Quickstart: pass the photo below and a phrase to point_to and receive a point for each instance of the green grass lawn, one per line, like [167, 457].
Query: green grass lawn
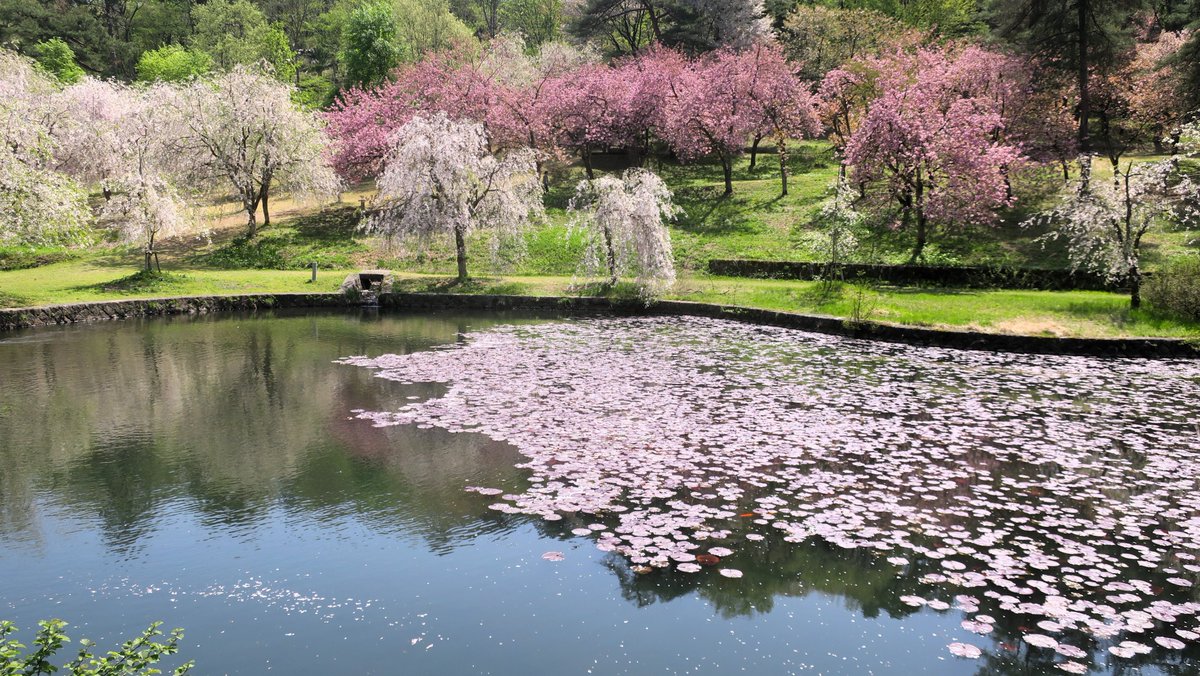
[1076, 313]
[753, 223]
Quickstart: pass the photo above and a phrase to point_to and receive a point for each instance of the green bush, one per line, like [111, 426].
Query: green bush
[22, 257]
[172, 63]
[56, 58]
[1176, 290]
[135, 657]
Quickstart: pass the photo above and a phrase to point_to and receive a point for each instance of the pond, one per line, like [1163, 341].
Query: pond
[498, 494]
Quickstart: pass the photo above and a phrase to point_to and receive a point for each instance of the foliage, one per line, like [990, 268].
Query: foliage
[172, 63]
[235, 32]
[538, 21]
[426, 26]
[818, 39]
[628, 27]
[56, 58]
[440, 179]
[21, 257]
[38, 205]
[240, 130]
[136, 656]
[1176, 289]
[370, 50]
[624, 225]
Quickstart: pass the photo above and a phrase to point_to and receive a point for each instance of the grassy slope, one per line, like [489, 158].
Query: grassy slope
[754, 223]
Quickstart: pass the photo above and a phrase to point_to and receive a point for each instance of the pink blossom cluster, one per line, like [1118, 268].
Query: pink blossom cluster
[934, 132]
[706, 106]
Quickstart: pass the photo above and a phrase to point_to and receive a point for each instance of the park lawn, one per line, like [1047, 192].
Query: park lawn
[115, 278]
[1076, 313]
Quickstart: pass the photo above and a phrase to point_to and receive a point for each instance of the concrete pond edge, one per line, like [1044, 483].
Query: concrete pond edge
[18, 318]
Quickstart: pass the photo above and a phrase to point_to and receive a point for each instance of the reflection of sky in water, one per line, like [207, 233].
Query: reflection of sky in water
[293, 537]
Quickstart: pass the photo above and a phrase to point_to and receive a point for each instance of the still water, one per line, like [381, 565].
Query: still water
[225, 475]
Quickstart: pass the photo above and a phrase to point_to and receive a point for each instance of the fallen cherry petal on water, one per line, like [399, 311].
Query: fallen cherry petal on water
[965, 650]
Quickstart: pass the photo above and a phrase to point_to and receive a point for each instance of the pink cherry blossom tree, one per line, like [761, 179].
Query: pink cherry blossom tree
[843, 98]
[623, 221]
[711, 112]
[454, 82]
[931, 144]
[440, 179]
[784, 106]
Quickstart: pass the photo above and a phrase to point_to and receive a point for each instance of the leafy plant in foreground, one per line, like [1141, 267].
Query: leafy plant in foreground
[135, 657]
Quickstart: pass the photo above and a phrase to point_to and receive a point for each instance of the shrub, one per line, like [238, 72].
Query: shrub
[135, 657]
[1176, 290]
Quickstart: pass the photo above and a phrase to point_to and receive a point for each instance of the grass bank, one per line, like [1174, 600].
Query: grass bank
[1076, 313]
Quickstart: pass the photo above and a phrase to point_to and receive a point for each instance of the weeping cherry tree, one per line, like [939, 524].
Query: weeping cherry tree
[439, 178]
[38, 204]
[623, 221]
[121, 139]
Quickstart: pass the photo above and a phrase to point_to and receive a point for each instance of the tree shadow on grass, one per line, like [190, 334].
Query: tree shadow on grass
[142, 281]
[327, 238]
[708, 211]
[8, 300]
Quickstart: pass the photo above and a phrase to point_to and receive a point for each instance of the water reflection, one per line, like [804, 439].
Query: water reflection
[236, 416]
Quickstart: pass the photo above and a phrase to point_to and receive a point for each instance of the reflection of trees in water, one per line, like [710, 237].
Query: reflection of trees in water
[233, 415]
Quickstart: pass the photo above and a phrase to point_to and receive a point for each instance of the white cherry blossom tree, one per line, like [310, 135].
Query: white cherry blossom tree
[440, 179]
[242, 131]
[623, 221]
[37, 204]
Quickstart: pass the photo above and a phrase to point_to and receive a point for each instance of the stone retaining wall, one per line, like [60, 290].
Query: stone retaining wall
[121, 309]
[574, 306]
[968, 277]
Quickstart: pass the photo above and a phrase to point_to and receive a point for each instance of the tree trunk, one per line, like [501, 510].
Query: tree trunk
[612, 257]
[252, 220]
[918, 206]
[266, 210]
[727, 168]
[922, 236]
[1085, 101]
[587, 163]
[783, 169]
[148, 255]
[754, 151]
[460, 244]
[1135, 287]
